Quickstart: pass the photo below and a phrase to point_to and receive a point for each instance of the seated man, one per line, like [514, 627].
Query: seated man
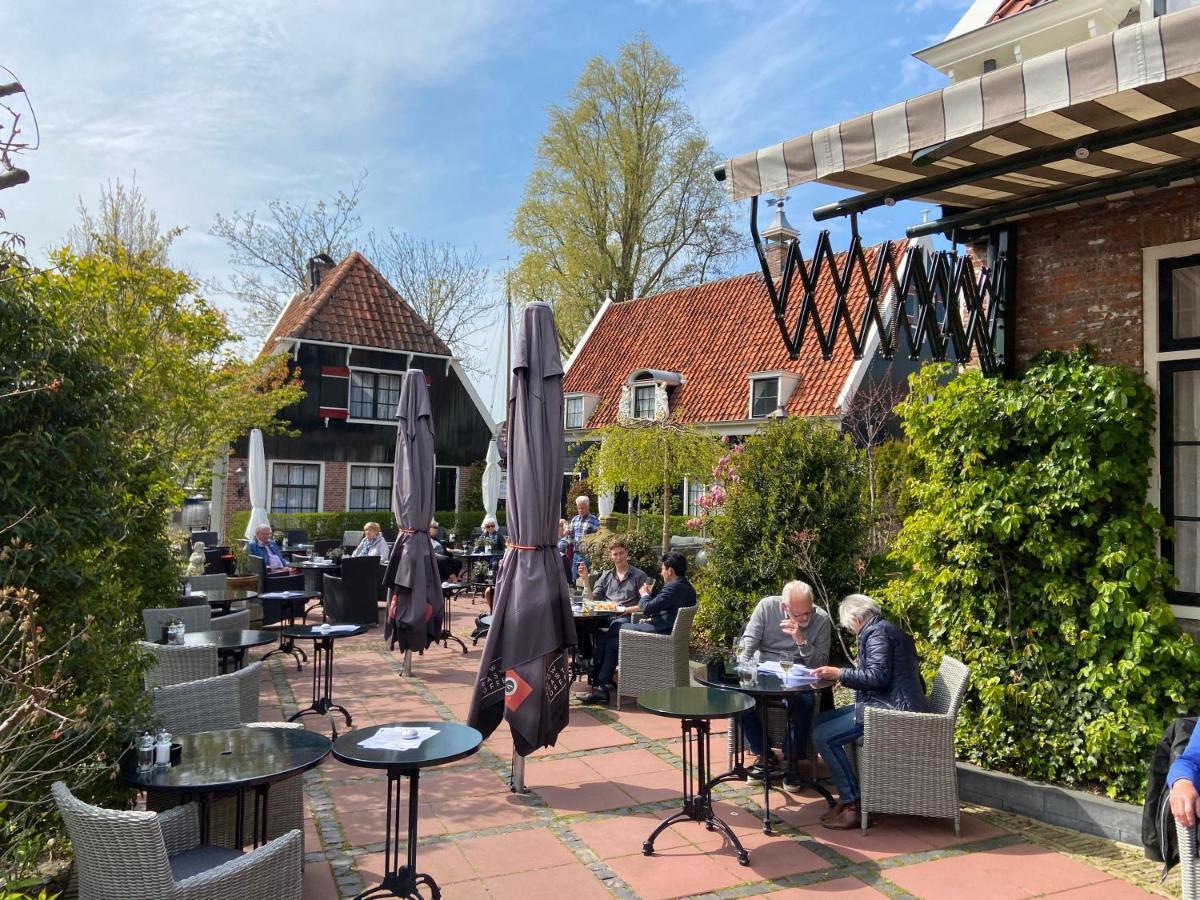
[622, 583]
[659, 617]
[1182, 778]
[265, 548]
[886, 674]
[785, 627]
[449, 567]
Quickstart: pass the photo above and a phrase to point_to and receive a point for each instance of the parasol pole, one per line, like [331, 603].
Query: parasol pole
[407, 663]
[508, 337]
[517, 783]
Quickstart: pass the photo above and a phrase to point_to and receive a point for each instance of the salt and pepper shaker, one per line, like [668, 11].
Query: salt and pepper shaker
[162, 749]
[145, 752]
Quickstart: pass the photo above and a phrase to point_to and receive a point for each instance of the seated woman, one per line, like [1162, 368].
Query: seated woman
[373, 543]
[491, 541]
[887, 674]
[449, 568]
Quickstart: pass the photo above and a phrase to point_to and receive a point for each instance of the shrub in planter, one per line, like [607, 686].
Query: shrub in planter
[793, 509]
[1032, 555]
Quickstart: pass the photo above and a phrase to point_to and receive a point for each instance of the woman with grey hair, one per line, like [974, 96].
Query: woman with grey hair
[887, 675]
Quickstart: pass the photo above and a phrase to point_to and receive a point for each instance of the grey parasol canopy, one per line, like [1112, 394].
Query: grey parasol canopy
[415, 603]
[523, 676]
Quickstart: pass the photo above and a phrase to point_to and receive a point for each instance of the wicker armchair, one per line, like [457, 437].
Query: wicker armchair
[238, 620]
[648, 661]
[208, 582]
[1185, 839]
[194, 618]
[125, 855]
[174, 665]
[227, 701]
[906, 764]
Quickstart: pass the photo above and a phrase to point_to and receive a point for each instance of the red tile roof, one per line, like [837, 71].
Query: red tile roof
[356, 305]
[1011, 8]
[714, 335]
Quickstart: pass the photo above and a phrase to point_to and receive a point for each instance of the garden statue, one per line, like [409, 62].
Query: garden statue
[196, 560]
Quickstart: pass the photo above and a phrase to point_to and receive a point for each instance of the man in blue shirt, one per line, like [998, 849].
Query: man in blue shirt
[1182, 778]
[264, 547]
[658, 614]
[582, 523]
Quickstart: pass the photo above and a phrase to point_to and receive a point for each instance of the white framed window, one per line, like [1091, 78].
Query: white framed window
[573, 412]
[764, 396]
[694, 491]
[370, 488]
[1171, 346]
[295, 486]
[643, 401]
[374, 395]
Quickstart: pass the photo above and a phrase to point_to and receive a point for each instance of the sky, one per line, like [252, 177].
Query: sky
[220, 106]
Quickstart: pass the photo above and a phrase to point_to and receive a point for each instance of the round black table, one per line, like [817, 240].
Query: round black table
[450, 591]
[491, 559]
[322, 669]
[767, 690]
[287, 602]
[587, 624]
[232, 760]
[452, 741]
[696, 707]
[219, 600]
[315, 572]
[231, 645]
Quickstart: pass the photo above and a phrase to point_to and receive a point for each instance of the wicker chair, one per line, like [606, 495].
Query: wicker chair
[121, 855]
[174, 665]
[648, 661]
[194, 618]
[208, 582]
[227, 701]
[906, 764]
[238, 620]
[1185, 839]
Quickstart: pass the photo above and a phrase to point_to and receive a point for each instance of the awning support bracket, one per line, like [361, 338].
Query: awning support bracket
[924, 300]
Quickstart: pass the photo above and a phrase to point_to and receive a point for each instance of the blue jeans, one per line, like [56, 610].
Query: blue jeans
[799, 717]
[833, 730]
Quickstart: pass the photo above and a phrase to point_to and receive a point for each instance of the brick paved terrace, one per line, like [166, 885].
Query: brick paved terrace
[596, 795]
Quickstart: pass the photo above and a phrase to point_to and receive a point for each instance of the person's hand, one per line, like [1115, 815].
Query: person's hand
[1184, 802]
[644, 590]
[827, 673]
[792, 628]
[581, 570]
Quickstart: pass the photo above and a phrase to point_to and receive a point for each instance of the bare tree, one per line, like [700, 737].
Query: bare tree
[449, 288]
[271, 253]
[12, 142]
[866, 417]
[123, 220]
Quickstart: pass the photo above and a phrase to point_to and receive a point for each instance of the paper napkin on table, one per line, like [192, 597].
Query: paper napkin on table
[392, 738]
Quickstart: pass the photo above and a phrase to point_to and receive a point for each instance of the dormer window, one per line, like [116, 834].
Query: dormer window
[764, 396]
[574, 412]
[643, 401]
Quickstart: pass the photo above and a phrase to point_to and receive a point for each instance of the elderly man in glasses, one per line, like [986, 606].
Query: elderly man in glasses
[787, 626]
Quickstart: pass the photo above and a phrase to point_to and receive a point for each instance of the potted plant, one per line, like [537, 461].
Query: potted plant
[718, 664]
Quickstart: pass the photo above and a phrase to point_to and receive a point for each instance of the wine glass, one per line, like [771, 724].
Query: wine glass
[786, 664]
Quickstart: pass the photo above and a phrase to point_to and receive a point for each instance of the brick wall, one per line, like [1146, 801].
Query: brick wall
[234, 503]
[335, 487]
[1079, 273]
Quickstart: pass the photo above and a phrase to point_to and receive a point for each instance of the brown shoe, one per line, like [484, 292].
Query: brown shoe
[834, 812]
[848, 818]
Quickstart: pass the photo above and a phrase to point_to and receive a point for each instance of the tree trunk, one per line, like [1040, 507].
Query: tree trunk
[666, 504]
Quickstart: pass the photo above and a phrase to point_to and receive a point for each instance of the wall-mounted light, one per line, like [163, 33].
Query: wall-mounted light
[239, 478]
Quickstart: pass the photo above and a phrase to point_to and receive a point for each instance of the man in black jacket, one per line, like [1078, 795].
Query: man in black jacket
[658, 616]
[887, 675]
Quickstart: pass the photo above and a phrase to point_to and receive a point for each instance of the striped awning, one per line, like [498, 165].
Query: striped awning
[1133, 75]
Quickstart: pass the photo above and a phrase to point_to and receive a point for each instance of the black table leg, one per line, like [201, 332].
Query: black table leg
[448, 634]
[322, 686]
[793, 779]
[697, 790]
[402, 880]
[286, 644]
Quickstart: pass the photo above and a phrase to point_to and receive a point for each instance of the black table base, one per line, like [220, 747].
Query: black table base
[794, 780]
[448, 634]
[322, 685]
[401, 879]
[286, 644]
[697, 790]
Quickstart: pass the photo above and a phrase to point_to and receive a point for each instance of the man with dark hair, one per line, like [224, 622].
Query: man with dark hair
[658, 616]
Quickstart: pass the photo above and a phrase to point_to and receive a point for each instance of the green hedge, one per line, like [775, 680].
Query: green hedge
[330, 525]
[1032, 555]
[650, 523]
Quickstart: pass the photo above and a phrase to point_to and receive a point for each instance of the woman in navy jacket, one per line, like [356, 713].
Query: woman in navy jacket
[887, 675]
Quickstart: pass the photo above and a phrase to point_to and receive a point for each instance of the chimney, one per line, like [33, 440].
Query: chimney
[778, 237]
[317, 267]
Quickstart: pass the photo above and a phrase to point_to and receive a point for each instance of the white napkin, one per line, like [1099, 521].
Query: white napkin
[800, 674]
[333, 629]
[392, 738]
